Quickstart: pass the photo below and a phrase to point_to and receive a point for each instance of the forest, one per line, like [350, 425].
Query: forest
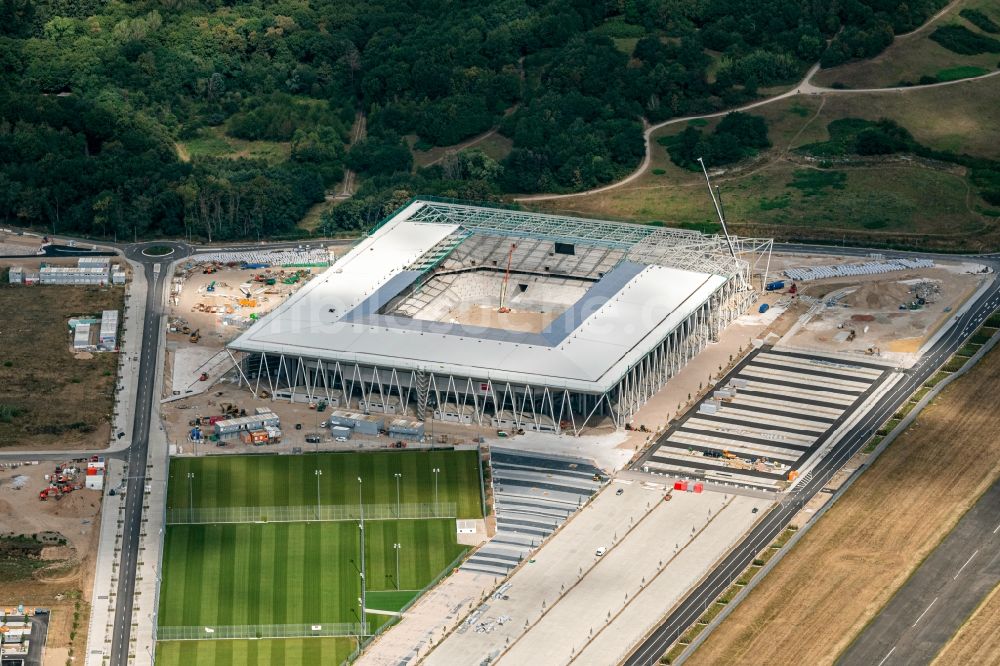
[99, 97]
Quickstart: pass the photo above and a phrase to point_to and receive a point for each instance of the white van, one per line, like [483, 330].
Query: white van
[600, 551]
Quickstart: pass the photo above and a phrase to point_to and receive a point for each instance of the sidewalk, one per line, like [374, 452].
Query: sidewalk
[102, 611]
[102, 596]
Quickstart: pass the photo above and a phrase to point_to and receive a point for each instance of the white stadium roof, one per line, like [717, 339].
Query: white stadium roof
[321, 320]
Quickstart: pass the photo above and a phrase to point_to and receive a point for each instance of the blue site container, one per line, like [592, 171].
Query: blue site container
[772, 286]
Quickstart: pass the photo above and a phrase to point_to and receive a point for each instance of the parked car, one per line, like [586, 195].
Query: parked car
[341, 439]
[600, 551]
[313, 439]
[619, 491]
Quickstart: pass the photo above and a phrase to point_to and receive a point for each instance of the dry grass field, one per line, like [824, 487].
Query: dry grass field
[848, 566]
[915, 55]
[897, 200]
[51, 399]
[978, 641]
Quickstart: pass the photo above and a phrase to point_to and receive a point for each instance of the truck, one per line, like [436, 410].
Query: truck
[763, 308]
[774, 286]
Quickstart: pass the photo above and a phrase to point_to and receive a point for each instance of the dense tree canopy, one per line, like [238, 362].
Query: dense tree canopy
[99, 99]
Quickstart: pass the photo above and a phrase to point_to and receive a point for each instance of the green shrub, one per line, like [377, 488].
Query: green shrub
[980, 20]
[811, 182]
[963, 41]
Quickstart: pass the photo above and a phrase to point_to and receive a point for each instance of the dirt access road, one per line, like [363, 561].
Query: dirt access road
[848, 566]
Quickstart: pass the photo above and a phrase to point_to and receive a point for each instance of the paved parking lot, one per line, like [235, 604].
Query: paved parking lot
[772, 414]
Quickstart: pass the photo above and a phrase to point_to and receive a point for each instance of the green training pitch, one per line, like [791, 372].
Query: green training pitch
[236, 481]
[261, 653]
[295, 573]
[303, 572]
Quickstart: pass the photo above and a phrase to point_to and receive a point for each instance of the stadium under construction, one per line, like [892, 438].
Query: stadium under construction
[502, 318]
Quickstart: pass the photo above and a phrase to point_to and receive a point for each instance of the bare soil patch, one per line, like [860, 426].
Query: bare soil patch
[63, 580]
[55, 400]
[848, 566]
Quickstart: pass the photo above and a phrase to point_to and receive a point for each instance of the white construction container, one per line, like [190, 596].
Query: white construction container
[81, 337]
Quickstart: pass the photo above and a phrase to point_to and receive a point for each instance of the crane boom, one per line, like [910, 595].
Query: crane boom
[506, 279]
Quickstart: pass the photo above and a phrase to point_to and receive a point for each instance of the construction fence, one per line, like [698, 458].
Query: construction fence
[294, 514]
[254, 631]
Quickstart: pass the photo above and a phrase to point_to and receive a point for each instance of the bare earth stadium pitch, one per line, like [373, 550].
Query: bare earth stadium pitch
[258, 579]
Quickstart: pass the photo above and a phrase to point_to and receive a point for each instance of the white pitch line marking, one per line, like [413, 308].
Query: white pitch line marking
[925, 611]
[997, 529]
[966, 564]
[887, 656]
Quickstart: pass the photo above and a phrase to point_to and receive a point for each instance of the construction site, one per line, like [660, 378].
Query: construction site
[55, 508]
[502, 319]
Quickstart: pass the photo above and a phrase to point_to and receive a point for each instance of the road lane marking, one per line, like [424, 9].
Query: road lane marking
[887, 656]
[925, 611]
[966, 564]
[997, 528]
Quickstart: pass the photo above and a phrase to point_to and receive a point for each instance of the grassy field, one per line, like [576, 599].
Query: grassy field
[261, 652]
[848, 566]
[978, 641]
[914, 56]
[295, 573]
[225, 481]
[783, 194]
[48, 398]
[303, 572]
[214, 142]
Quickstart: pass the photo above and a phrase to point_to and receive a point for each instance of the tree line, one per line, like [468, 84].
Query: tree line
[98, 100]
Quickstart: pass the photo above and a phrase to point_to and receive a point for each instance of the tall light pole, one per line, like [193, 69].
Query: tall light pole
[190, 478]
[361, 506]
[398, 477]
[397, 547]
[436, 470]
[318, 474]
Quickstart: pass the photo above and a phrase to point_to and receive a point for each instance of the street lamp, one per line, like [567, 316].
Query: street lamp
[318, 474]
[397, 547]
[436, 470]
[398, 477]
[190, 478]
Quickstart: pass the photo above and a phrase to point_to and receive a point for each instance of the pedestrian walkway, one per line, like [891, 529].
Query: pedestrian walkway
[533, 495]
[766, 419]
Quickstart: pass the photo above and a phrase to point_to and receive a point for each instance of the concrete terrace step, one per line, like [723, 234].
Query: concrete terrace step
[561, 472]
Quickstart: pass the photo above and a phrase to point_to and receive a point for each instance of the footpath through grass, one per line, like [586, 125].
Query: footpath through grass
[236, 481]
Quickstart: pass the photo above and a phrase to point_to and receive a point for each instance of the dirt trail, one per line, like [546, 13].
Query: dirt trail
[805, 87]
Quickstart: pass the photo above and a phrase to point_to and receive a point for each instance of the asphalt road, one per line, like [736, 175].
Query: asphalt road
[698, 600]
[927, 611]
[136, 477]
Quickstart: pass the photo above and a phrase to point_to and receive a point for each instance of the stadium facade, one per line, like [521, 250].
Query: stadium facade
[502, 318]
